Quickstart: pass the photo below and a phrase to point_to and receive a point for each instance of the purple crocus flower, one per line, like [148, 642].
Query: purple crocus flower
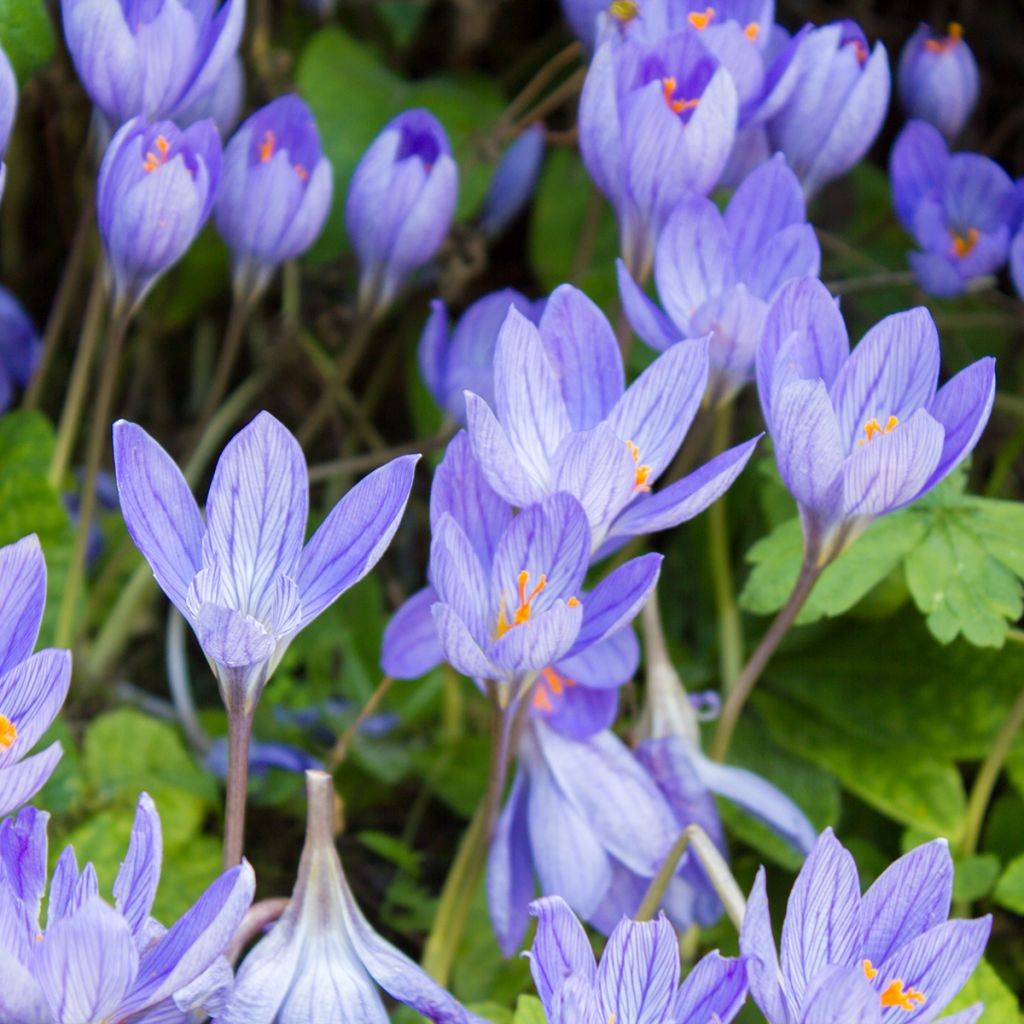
[243, 579]
[32, 686]
[513, 182]
[322, 961]
[93, 962]
[400, 204]
[150, 58]
[637, 978]
[656, 120]
[859, 435]
[716, 273]
[960, 209]
[453, 362]
[1017, 263]
[887, 956]
[275, 191]
[154, 193]
[223, 103]
[8, 109]
[938, 79]
[563, 421]
[836, 108]
[19, 346]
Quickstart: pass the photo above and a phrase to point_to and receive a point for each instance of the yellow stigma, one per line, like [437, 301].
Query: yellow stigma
[954, 33]
[8, 733]
[522, 613]
[963, 244]
[873, 428]
[752, 31]
[154, 160]
[267, 146]
[668, 86]
[701, 19]
[895, 994]
[624, 10]
[642, 472]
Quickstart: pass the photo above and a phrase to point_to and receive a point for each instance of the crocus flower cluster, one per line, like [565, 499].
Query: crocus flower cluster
[938, 79]
[637, 978]
[243, 578]
[8, 108]
[961, 209]
[861, 434]
[275, 192]
[92, 962]
[322, 961]
[19, 347]
[716, 273]
[32, 686]
[400, 204]
[889, 955]
[152, 59]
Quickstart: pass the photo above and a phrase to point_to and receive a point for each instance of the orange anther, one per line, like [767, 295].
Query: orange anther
[573, 602]
[752, 31]
[643, 473]
[302, 173]
[895, 995]
[668, 86]
[541, 700]
[8, 733]
[522, 613]
[869, 970]
[963, 244]
[954, 33]
[267, 146]
[154, 160]
[701, 19]
[873, 428]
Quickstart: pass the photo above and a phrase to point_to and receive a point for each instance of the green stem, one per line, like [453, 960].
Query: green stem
[737, 698]
[883, 279]
[234, 334]
[730, 625]
[99, 439]
[81, 378]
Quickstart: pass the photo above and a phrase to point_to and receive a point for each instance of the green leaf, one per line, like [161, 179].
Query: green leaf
[392, 849]
[529, 1011]
[975, 876]
[493, 1012]
[1010, 887]
[26, 34]
[985, 986]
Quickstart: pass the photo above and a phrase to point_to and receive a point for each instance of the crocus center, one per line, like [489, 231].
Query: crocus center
[895, 994]
[954, 33]
[701, 19]
[155, 160]
[642, 472]
[873, 428]
[8, 733]
[752, 31]
[554, 684]
[678, 106]
[859, 49]
[522, 613]
[624, 10]
[964, 241]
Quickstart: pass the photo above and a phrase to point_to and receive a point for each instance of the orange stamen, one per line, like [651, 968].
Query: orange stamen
[302, 173]
[895, 995]
[700, 20]
[869, 970]
[8, 733]
[752, 31]
[154, 160]
[859, 49]
[964, 244]
[873, 428]
[522, 613]
[541, 700]
[642, 472]
[573, 602]
[954, 33]
[267, 146]
[668, 86]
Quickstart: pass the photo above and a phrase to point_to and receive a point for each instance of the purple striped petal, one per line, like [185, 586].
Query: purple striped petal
[137, 880]
[757, 944]
[604, 665]
[841, 994]
[31, 694]
[560, 948]
[409, 648]
[650, 323]
[713, 990]
[22, 596]
[617, 600]
[510, 871]
[20, 782]
[461, 651]
[639, 971]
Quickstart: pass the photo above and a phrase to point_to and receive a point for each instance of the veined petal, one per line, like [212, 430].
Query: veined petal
[536, 643]
[510, 871]
[604, 665]
[461, 651]
[21, 997]
[577, 712]
[792, 253]
[581, 346]
[713, 990]
[159, 510]
[617, 600]
[31, 694]
[256, 510]
[460, 580]
[23, 862]
[917, 167]
[711, 132]
[841, 994]
[757, 944]
[649, 322]
[409, 648]
[639, 971]
[600, 128]
[20, 782]
[560, 948]
[351, 540]
[22, 596]
[233, 640]
[137, 880]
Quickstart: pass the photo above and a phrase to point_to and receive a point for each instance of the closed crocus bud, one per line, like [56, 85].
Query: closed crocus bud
[8, 108]
[655, 121]
[400, 204]
[154, 193]
[938, 79]
[514, 180]
[19, 346]
[323, 961]
[275, 191]
[837, 107]
[153, 59]
[223, 102]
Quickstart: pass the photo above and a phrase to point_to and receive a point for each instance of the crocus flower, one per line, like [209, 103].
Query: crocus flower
[243, 578]
[8, 108]
[563, 421]
[1017, 263]
[716, 273]
[19, 346]
[93, 962]
[637, 978]
[860, 434]
[151, 60]
[154, 193]
[656, 120]
[322, 961]
[837, 106]
[960, 209]
[400, 204]
[32, 686]
[275, 191]
[938, 79]
[889, 955]
[513, 182]
[223, 103]
[453, 362]
[585, 819]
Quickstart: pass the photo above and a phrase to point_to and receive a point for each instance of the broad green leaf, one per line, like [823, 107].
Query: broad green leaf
[1010, 887]
[391, 848]
[985, 986]
[529, 1011]
[492, 1012]
[26, 34]
[975, 876]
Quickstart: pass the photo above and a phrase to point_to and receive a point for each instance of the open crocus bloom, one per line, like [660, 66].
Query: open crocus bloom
[637, 978]
[885, 957]
[244, 579]
[32, 686]
[861, 434]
